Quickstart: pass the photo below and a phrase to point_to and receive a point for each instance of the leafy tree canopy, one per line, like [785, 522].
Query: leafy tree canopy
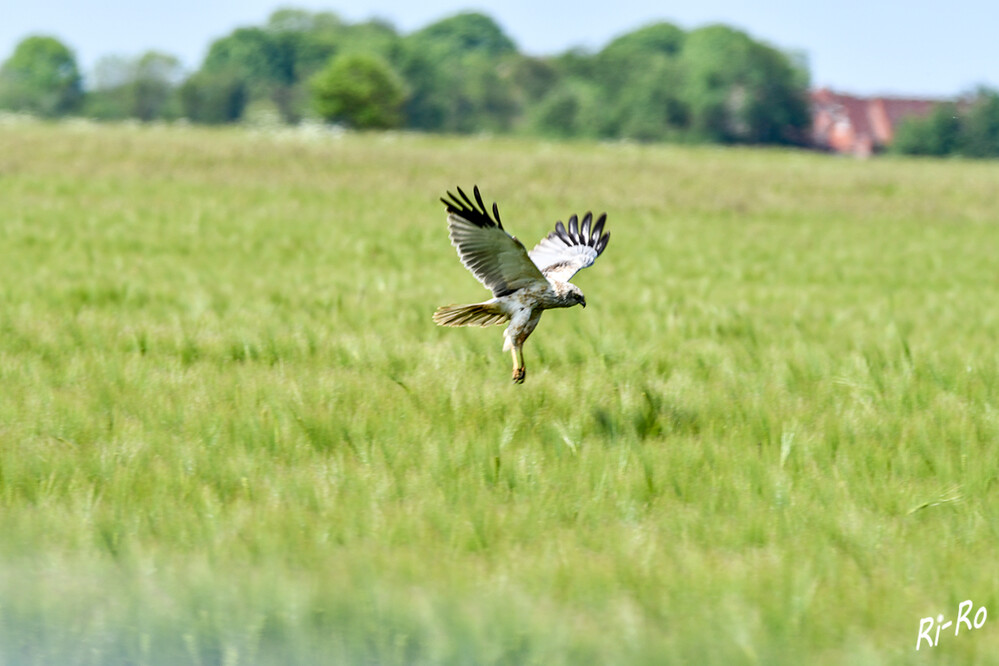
[969, 128]
[740, 90]
[141, 87]
[459, 74]
[662, 38]
[300, 20]
[464, 33]
[252, 55]
[979, 125]
[360, 90]
[213, 97]
[275, 61]
[41, 77]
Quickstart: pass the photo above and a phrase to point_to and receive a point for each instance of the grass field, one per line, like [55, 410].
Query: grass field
[230, 432]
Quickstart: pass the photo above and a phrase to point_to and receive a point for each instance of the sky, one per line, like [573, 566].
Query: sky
[916, 48]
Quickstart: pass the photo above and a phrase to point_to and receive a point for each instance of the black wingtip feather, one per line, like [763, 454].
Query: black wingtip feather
[467, 200]
[588, 234]
[602, 243]
[574, 228]
[466, 208]
[599, 226]
[561, 233]
[478, 197]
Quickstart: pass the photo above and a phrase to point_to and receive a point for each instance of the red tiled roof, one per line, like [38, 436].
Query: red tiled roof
[847, 123]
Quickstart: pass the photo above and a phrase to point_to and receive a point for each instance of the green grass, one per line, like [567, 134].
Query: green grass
[231, 434]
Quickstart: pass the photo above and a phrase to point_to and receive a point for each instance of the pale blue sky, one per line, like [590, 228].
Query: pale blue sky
[915, 47]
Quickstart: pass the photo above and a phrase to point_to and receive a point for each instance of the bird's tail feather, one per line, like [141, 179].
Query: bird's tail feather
[477, 314]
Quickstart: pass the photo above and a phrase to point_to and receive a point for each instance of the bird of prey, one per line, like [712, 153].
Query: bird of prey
[524, 284]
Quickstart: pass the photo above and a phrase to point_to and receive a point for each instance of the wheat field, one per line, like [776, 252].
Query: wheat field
[231, 434]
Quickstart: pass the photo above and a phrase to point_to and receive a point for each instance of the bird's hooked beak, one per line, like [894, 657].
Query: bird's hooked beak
[582, 301]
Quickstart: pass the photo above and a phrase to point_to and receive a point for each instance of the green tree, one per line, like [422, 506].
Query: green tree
[329, 37]
[534, 77]
[157, 76]
[311, 39]
[739, 90]
[143, 87]
[463, 74]
[627, 54]
[571, 109]
[980, 126]
[41, 77]
[714, 84]
[776, 109]
[213, 98]
[109, 97]
[460, 74]
[259, 61]
[650, 107]
[274, 62]
[254, 56]
[576, 63]
[935, 134]
[969, 128]
[292, 20]
[360, 90]
[641, 83]
[464, 33]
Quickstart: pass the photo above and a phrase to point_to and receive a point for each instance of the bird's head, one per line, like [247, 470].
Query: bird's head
[577, 296]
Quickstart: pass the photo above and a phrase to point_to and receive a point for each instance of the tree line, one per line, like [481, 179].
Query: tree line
[968, 127]
[461, 74]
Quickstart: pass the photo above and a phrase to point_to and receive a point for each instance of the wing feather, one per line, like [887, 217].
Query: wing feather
[564, 252]
[574, 229]
[496, 258]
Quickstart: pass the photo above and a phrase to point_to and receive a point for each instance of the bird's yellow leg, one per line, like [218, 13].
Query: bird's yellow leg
[519, 370]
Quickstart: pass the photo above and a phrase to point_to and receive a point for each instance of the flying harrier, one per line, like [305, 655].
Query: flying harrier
[523, 283]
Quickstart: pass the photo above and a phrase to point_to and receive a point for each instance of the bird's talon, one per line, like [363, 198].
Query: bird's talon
[519, 375]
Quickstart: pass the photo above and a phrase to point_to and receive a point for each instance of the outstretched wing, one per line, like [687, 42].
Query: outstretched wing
[564, 252]
[496, 258]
